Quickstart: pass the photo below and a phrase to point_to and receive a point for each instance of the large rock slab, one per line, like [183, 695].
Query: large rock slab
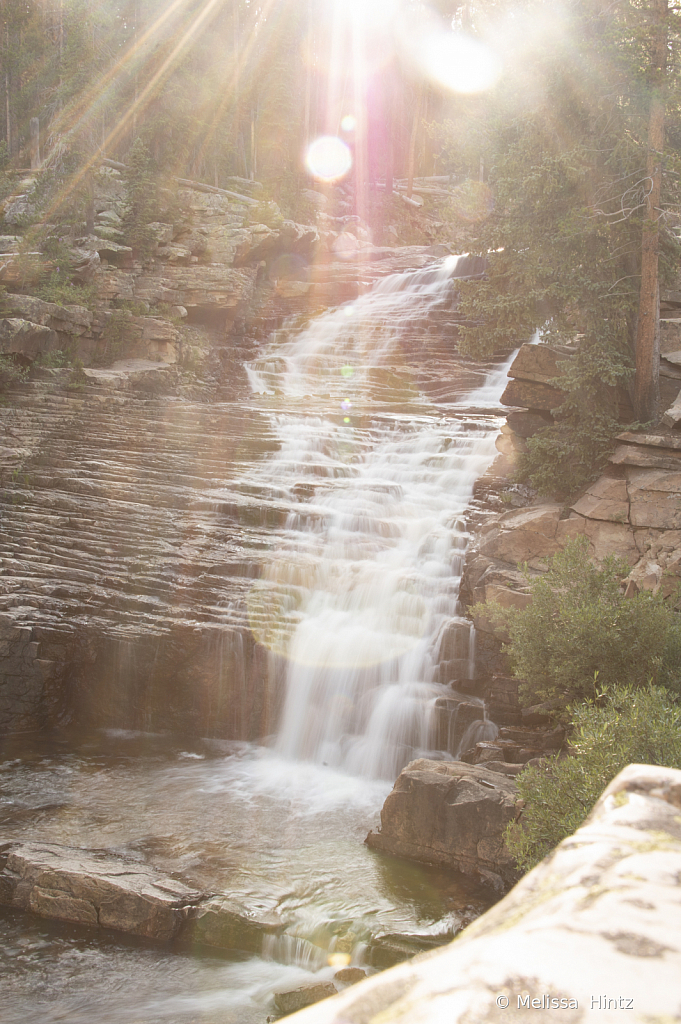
[523, 535]
[22, 337]
[532, 395]
[593, 931]
[227, 923]
[450, 813]
[93, 888]
[654, 496]
[292, 999]
[650, 458]
[606, 498]
[538, 362]
[71, 319]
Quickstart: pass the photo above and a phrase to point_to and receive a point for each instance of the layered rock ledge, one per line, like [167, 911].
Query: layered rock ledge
[592, 932]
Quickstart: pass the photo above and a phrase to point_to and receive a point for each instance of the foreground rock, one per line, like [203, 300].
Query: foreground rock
[593, 930]
[225, 923]
[92, 888]
[290, 1000]
[450, 813]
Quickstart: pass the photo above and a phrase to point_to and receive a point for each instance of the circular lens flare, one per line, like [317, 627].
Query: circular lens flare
[328, 158]
[349, 123]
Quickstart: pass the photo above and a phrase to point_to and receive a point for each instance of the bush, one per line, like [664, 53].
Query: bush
[579, 623]
[631, 726]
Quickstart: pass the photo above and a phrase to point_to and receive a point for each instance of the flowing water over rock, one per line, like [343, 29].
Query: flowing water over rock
[346, 534]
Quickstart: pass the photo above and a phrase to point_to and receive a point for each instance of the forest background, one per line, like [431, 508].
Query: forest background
[567, 163]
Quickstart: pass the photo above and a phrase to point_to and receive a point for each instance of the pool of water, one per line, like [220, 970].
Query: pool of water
[232, 818]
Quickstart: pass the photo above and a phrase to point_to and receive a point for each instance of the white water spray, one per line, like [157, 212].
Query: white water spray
[361, 596]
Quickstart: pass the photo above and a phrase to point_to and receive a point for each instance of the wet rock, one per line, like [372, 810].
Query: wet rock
[388, 950]
[93, 888]
[453, 717]
[227, 923]
[290, 1000]
[595, 923]
[450, 813]
[349, 975]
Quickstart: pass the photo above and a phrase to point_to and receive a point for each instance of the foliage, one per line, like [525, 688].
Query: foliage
[115, 336]
[579, 623]
[564, 148]
[624, 725]
[57, 288]
[11, 371]
[142, 201]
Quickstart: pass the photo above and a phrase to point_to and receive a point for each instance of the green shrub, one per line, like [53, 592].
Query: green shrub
[142, 206]
[11, 371]
[579, 623]
[631, 726]
[58, 288]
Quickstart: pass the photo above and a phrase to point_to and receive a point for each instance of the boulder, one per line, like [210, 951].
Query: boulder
[71, 319]
[292, 999]
[672, 416]
[161, 233]
[532, 395]
[213, 286]
[651, 440]
[526, 424]
[538, 362]
[93, 888]
[654, 498]
[636, 455]
[349, 975]
[605, 498]
[450, 813]
[227, 923]
[25, 338]
[523, 535]
[9, 243]
[593, 931]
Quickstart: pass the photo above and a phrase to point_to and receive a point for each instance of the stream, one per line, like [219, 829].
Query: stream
[357, 604]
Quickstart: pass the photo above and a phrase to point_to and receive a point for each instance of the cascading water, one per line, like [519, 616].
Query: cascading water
[365, 502]
[365, 582]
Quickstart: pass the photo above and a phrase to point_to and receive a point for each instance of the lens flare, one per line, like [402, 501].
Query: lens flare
[328, 158]
[349, 123]
[458, 61]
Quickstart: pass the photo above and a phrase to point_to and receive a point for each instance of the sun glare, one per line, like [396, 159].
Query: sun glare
[457, 61]
[328, 158]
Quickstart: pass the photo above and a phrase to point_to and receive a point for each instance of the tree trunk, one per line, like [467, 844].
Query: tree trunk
[647, 376]
[412, 141]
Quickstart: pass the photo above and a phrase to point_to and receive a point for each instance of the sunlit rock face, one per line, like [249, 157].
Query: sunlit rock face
[167, 555]
[593, 932]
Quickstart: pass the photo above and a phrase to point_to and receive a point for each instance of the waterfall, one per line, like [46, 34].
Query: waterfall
[362, 591]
